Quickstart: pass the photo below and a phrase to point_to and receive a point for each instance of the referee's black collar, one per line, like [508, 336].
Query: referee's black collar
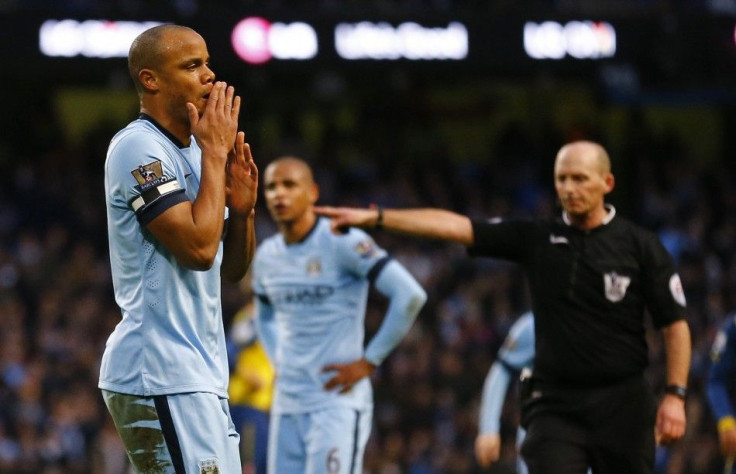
[169, 135]
[607, 220]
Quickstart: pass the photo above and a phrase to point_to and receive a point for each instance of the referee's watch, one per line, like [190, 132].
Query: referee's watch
[677, 390]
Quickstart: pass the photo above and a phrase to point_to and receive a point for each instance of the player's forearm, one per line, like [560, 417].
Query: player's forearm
[429, 223]
[239, 247]
[208, 214]
[677, 346]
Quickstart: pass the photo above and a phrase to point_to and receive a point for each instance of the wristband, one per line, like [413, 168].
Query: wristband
[379, 220]
[676, 390]
[726, 423]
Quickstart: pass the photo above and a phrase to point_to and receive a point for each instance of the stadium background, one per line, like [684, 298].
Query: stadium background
[476, 135]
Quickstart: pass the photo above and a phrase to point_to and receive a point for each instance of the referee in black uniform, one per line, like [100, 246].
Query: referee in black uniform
[592, 276]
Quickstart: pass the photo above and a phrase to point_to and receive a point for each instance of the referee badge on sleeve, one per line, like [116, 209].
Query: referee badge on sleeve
[676, 289]
[615, 286]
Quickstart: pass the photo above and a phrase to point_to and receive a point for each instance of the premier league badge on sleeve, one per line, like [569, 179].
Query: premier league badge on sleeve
[148, 173]
[152, 184]
[615, 286]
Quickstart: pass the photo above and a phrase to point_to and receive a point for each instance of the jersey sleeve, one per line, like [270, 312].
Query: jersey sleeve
[142, 177]
[496, 385]
[507, 239]
[517, 351]
[662, 286]
[406, 298]
[360, 255]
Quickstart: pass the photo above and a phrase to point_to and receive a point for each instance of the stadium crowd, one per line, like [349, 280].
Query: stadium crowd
[57, 306]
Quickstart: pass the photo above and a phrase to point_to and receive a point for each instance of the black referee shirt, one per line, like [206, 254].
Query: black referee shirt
[589, 293]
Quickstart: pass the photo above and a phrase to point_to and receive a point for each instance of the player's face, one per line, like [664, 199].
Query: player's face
[184, 73]
[580, 183]
[289, 191]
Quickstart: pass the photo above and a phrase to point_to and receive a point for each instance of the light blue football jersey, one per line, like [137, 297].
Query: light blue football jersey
[516, 353]
[317, 290]
[171, 337]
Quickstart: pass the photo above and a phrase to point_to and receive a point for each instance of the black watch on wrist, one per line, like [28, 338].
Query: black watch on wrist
[676, 390]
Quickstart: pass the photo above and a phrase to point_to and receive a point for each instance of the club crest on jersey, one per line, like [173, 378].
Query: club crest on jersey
[209, 466]
[314, 266]
[365, 248]
[615, 286]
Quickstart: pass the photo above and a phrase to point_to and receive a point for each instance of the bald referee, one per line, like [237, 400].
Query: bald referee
[593, 275]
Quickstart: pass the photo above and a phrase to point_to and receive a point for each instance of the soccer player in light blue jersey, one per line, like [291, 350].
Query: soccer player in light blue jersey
[180, 187]
[516, 354]
[312, 288]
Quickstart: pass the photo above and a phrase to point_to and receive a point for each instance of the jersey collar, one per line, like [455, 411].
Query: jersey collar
[307, 235]
[169, 135]
[609, 217]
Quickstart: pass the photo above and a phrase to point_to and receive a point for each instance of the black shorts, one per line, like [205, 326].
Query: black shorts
[609, 428]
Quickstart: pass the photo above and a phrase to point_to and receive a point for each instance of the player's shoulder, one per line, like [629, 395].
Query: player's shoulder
[138, 139]
[525, 321]
[323, 232]
[137, 131]
[523, 326]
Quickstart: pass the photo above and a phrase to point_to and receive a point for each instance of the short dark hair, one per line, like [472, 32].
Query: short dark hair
[145, 51]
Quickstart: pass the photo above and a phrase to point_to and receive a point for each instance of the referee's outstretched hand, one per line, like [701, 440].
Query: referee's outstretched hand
[342, 217]
[670, 425]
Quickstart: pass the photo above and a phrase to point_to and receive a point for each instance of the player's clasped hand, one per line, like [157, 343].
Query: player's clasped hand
[348, 374]
[216, 127]
[242, 178]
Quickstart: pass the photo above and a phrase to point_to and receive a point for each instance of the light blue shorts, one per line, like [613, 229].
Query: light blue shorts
[330, 441]
[189, 433]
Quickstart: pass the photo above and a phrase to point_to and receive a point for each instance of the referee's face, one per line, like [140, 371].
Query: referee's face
[581, 182]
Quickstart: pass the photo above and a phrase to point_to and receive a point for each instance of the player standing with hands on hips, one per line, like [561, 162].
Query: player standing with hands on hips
[592, 275]
[180, 187]
[312, 289]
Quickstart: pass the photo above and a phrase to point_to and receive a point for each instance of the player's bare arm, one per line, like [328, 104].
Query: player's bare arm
[429, 223]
